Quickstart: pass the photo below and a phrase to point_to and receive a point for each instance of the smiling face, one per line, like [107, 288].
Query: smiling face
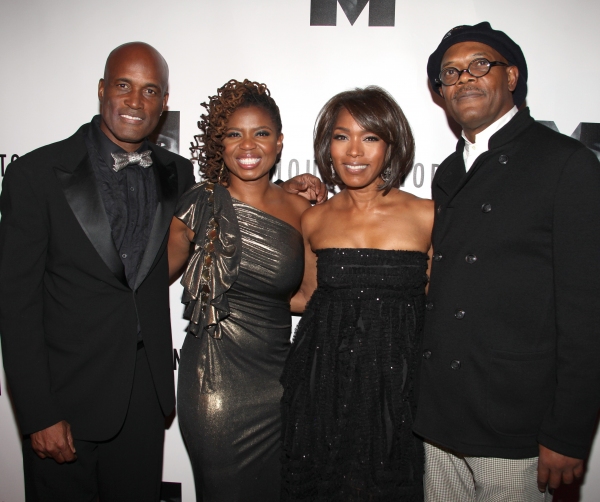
[358, 155]
[476, 103]
[251, 144]
[132, 94]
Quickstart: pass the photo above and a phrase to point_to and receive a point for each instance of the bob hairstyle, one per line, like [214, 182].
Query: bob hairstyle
[207, 148]
[377, 112]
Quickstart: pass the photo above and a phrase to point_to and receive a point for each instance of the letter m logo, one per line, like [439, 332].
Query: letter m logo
[324, 12]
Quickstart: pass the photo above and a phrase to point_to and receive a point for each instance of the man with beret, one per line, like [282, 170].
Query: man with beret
[510, 381]
[84, 302]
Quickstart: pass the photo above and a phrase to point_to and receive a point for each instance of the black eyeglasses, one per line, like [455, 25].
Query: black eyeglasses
[477, 68]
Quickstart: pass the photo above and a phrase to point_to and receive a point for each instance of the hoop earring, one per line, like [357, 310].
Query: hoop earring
[386, 174]
[221, 172]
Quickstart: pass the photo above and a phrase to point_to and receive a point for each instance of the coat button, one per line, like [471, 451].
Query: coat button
[426, 354]
[439, 209]
[470, 258]
[503, 159]
[486, 208]
[459, 314]
[429, 305]
[455, 365]
[437, 256]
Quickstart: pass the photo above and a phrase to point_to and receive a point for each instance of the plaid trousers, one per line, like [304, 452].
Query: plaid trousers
[452, 477]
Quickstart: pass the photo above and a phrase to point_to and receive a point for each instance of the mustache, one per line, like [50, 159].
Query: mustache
[469, 88]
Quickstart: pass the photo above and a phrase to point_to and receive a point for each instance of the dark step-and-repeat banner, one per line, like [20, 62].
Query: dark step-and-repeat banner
[53, 53]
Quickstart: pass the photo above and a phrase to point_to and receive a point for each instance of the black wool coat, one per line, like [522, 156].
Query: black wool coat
[511, 349]
[68, 319]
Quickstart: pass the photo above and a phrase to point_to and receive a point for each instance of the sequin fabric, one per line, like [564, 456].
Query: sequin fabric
[348, 400]
[233, 432]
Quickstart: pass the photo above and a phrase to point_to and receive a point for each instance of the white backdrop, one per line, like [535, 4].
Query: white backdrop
[53, 54]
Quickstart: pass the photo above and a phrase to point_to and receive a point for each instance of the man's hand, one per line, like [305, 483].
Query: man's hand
[55, 442]
[554, 469]
[308, 186]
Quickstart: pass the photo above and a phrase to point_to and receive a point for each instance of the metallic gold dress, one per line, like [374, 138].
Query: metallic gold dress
[238, 286]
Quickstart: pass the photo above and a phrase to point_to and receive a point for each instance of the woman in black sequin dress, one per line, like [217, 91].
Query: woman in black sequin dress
[348, 400]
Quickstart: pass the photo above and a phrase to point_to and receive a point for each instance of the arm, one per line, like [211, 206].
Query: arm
[180, 241]
[309, 280]
[566, 432]
[24, 239]
[308, 186]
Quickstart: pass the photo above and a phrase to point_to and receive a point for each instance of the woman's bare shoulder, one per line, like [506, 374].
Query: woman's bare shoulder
[426, 206]
[297, 202]
[314, 212]
[414, 202]
[299, 205]
[423, 210]
[419, 208]
[315, 215]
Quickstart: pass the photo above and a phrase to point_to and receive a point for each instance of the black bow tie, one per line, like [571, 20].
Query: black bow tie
[123, 160]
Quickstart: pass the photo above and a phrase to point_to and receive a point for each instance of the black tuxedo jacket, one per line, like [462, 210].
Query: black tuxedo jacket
[511, 352]
[68, 319]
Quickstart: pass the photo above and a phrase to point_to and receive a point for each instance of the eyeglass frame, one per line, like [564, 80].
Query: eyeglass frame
[439, 82]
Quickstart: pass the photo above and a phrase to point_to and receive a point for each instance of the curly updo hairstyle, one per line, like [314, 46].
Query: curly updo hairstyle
[377, 112]
[208, 147]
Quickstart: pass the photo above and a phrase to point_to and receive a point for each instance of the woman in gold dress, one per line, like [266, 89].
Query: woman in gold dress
[247, 263]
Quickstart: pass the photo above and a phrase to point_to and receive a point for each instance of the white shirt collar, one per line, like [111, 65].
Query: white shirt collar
[481, 144]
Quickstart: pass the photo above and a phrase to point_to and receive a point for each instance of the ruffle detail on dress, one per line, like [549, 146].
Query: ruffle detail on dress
[207, 209]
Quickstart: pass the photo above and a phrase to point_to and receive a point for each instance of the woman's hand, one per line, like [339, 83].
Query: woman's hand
[308, 186]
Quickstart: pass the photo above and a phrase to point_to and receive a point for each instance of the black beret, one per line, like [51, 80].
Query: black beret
[485, 34]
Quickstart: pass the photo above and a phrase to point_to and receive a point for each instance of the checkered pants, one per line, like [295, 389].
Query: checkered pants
[451, 477]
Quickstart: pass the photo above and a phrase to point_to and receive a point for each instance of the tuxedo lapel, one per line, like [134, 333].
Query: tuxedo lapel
[166, 186]
[81, 191]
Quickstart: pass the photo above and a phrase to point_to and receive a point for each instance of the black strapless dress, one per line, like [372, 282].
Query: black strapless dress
[348, 402]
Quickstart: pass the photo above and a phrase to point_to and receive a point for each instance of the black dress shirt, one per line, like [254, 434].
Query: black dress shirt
[129, 197]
